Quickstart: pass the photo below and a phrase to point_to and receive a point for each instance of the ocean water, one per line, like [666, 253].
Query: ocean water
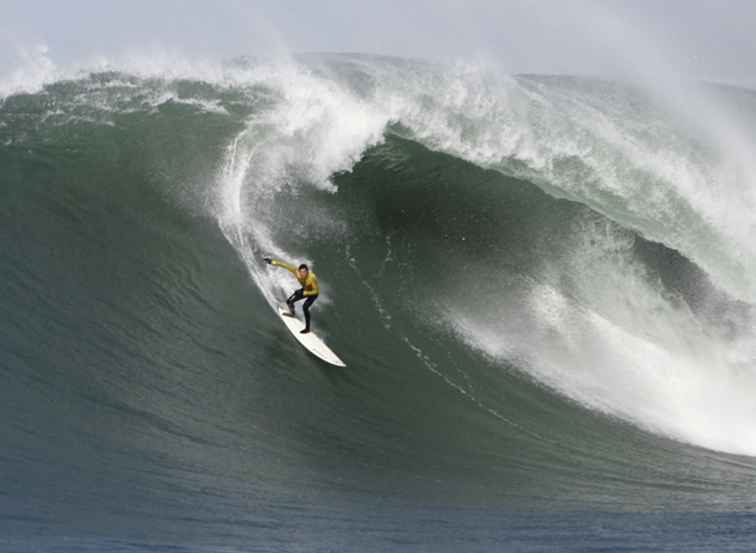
[543, 288]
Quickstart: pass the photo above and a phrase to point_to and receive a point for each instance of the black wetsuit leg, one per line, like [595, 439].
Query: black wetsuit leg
[306, 308]
[295, 297]
[299, 295]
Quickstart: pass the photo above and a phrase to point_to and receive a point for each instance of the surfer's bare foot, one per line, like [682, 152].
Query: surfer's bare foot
[305, 331]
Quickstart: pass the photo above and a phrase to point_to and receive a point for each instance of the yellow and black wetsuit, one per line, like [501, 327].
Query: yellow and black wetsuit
[310, 290]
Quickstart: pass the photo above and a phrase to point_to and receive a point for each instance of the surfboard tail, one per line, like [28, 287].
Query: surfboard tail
[310, 341]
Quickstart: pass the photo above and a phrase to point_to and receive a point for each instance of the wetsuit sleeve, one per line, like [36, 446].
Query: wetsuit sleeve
[314, 288]
[290, 268]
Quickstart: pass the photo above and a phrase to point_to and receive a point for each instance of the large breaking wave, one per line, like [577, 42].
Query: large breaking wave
[514, 269]
[574, 301]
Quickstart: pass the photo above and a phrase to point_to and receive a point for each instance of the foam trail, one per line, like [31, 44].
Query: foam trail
[315, 130]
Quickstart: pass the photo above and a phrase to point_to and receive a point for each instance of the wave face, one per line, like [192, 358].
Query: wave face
[544, 288]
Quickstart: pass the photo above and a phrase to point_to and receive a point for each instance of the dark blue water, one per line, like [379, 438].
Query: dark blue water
[403, 529]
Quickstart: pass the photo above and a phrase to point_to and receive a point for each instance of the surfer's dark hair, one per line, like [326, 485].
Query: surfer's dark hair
[305, 267]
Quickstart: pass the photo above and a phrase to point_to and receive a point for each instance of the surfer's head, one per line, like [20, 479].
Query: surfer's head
[303, 270]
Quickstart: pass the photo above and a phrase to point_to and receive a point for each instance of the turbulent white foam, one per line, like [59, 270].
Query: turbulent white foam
[698, 395]
[617, 343]
[690, 186]
[315, 129]
[35, 69]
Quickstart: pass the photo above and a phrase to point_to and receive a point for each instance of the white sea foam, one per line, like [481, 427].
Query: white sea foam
[34, 70]
[315, 130]
[619, 152]
[618, 343]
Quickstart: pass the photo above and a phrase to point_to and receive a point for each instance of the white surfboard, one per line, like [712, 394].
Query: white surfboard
[310, 341]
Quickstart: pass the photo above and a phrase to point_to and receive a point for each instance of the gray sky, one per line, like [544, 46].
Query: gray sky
[704, 39]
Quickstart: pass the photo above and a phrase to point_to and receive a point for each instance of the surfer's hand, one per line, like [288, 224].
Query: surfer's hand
[267, 260]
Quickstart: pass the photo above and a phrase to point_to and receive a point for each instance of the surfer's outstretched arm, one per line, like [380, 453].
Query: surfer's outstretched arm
[291, 268]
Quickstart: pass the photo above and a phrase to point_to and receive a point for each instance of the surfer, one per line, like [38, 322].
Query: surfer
[309, 289]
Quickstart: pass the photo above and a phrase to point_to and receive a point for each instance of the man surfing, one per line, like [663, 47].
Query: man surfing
[309, 290]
